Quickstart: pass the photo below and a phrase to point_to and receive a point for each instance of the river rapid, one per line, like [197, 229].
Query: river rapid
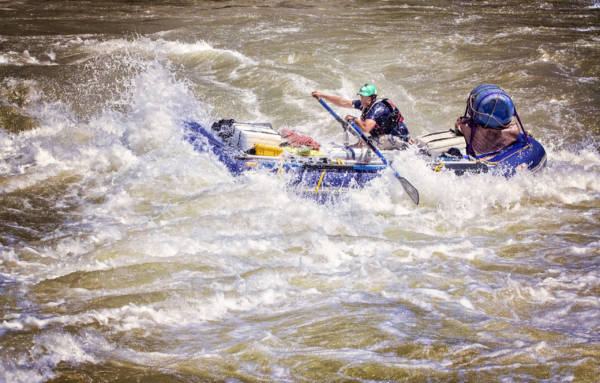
[125, 255]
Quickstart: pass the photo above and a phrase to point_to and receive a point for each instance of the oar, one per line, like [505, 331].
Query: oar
[412, 191]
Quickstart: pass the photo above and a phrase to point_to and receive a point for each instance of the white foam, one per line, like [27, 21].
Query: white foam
[25, 58]
[466, 303]
[107, 143]
[50, 349]
[256, 248]
[160, 47]
[467, 19]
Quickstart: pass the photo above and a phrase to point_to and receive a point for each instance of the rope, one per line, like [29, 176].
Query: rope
[522, 128]
[474, 111]
[319, 183]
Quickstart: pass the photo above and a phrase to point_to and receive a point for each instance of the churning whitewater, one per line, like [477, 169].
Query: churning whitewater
[126, 254]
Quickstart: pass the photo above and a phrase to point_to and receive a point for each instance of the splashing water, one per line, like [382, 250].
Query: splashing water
[125, 253]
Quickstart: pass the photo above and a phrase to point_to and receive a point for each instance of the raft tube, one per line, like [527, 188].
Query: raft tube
[318, 173]
[449, 151]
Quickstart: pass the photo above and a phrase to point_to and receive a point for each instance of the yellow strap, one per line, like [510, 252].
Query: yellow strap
[319, 183]
[280, 168]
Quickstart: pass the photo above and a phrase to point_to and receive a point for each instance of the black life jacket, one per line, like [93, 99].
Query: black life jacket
[391, 123]
[395, 117]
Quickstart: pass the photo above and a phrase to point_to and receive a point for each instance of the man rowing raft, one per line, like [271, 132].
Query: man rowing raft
[381, 119]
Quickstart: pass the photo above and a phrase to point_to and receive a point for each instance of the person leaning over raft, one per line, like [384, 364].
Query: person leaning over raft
[488, 124]
[486, 140]
[381, 119]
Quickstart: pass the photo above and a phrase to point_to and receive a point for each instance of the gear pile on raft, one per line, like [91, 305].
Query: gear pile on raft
[488, 138]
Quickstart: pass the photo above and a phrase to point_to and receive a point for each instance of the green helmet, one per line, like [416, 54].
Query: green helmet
[367, 90]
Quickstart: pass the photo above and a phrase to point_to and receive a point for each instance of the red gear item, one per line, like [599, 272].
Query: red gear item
[297, 140]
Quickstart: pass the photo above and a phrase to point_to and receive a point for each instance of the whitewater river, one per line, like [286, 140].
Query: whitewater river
[127, 256]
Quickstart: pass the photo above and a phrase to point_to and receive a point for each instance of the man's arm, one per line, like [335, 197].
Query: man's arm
[336, 100]
[365, 126]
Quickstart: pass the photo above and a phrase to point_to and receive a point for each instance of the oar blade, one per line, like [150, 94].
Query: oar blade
[412, 191]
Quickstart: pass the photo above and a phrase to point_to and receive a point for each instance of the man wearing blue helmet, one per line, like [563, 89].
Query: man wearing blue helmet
[381, 119]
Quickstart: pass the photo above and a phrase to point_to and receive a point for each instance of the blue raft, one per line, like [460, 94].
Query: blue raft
[258, 146]
[448, 149]
[308, 170]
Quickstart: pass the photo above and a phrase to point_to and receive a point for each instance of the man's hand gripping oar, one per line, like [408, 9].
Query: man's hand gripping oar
[412, 191]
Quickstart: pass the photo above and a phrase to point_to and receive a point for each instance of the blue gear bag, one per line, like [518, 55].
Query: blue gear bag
[490, 106]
